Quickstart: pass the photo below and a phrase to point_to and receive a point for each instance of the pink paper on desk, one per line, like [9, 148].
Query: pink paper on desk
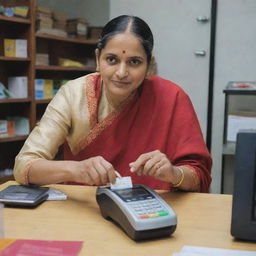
[27, 247]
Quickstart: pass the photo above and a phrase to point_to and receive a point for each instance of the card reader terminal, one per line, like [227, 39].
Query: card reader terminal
[139, 211]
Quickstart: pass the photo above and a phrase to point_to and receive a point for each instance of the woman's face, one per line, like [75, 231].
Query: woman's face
[122, 65]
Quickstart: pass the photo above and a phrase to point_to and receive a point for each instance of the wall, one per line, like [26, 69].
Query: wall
[235, 59]
[96, 12]
[235, 50]
[178, 35]
[235, 54]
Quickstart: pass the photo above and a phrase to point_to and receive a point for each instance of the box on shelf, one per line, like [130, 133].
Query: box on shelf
[42, 59]
[4, 93]
[43, 18]
[15, 48]
[18, 86]
[21, 124]
[21, 48]
[1, 9]
[239, 121]
[59, 20]
[20, 11]
[3, 127]
[43, 89]
[48, 89]
[8, 11]
[9, 48]
[77, 27]
[7, 128]
[39, 89]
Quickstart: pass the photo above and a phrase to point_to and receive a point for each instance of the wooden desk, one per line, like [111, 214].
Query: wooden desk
[203, 220]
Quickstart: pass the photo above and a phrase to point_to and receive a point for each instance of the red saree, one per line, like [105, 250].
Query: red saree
[160, 117]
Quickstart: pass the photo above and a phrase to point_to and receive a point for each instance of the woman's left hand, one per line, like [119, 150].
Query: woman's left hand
[155, 164]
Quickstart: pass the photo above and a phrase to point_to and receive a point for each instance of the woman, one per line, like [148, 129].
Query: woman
[119, 119]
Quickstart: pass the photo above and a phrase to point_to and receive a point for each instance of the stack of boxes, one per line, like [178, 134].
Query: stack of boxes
[77, 28]
[18, 86]
[14, 125]
[43, 88]
[42, 59]
[50, 22]
[44, 18]
[47, 88]
[59, 21]
[15, 48]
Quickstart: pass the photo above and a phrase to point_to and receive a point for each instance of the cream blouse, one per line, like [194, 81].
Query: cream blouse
[67, 117]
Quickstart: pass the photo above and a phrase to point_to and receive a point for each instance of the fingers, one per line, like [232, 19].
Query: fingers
[152, 164]
[139, 164]
[110, 173]
[98, 171]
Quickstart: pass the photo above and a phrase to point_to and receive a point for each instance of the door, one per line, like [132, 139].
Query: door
[181, 30]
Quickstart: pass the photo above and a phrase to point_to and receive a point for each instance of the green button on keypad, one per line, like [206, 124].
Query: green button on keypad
[163, 213]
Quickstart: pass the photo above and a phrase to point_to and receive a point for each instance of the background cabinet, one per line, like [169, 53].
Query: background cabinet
[240, 113]
[57, 47]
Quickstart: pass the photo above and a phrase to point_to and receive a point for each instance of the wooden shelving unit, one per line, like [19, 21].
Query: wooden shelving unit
[15, 19]
[236, 100]
[57, 47]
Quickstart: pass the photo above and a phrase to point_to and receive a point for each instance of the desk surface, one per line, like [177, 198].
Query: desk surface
[203, 220]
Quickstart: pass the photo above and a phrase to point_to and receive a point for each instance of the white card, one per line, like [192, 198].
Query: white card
[54, 194]
[121, 183]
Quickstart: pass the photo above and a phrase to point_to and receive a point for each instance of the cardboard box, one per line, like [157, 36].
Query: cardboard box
[238, 122]
[7, 128]
[21, 48]
[44, 89]
[20, 11]
[21, 125]
[15, 48]
[42, 59]
[3, 127]
[18, 86]
[9, 47]
[77, 27]
[39, 89]
[48, 89]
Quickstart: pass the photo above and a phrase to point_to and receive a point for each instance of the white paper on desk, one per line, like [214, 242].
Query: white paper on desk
[207, 251]
[186, 254]
[54, 194]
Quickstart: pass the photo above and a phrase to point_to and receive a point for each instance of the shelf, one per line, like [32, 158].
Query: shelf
[229, 148]
[13, 138]
[240, 91]
[17, 100]
[59, 68]
[56, 47]
[67, 39]
[14, 19]
[4, 58]
[43, 101]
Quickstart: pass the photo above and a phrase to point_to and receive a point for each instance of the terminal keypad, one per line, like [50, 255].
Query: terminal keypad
[149, 208]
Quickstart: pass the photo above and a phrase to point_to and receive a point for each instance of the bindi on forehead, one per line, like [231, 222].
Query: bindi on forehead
[123, 51]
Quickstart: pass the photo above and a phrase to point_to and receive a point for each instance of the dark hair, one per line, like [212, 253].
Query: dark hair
[136, 25]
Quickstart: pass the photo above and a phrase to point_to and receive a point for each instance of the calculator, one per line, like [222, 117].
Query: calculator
[139, 211]
[23, 196]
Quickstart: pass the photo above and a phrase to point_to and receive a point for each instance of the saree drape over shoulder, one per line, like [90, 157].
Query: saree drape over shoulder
[160, 116]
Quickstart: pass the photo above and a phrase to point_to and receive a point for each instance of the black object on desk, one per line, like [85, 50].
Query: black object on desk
[23, 196]
[243, 224]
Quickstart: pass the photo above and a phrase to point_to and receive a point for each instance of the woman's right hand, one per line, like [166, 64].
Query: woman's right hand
[94, 171]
